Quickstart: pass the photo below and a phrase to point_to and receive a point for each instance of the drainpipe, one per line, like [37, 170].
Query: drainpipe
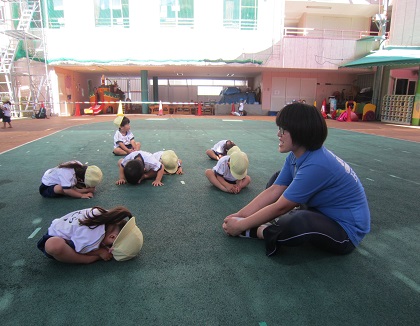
[379, 74]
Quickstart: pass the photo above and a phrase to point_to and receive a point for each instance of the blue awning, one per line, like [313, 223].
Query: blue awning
[389, 56]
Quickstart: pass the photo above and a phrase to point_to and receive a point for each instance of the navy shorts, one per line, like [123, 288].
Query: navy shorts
[129, 146]
[45, 237]
[228, 181]
[217, 153]
[6, 119]
[48, 191]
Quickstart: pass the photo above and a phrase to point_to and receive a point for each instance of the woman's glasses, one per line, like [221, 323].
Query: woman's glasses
[281, 131]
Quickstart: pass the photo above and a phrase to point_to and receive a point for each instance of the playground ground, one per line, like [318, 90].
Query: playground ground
[189, 272]
[27, 130]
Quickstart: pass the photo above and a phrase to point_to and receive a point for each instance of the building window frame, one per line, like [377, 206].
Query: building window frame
[404, 86]
[240, 14]
[177, 13]
[55, 14]
[112, 13]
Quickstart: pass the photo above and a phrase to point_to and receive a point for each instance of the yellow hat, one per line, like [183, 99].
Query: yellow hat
[170, 161]
[118, 120]
[233, 149]
[239, 165]
[128, 242]
[5, 99]
[93, 176]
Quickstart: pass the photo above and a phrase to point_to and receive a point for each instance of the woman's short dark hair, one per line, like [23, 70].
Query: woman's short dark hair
[133, 171]
[305, 123]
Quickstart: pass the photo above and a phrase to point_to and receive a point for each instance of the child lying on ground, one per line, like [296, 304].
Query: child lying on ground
[171, 162]
[138, 166]
[72, 179]
[92, 234]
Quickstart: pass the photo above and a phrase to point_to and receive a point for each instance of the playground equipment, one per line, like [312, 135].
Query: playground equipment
[105, 98]
[369, 112]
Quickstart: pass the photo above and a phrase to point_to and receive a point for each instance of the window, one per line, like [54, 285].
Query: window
[112, 13]
[405, 87]
[209, 90]
[177, 13]
[201, 82]
[240, 14]
[1, 13]
[55, 13]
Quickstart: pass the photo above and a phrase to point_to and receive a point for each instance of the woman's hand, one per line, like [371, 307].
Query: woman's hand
[232, 225]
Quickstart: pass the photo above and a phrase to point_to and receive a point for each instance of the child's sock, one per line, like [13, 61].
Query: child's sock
[251, 233]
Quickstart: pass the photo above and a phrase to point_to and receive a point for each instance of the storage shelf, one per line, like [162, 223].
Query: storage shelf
[397, 109]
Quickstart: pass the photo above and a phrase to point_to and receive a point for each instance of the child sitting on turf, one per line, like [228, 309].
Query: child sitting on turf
[220, 149]
[72, 179]
[92, 234]
[124, 142]
[230, 172]
[170, 161]
[138, 166]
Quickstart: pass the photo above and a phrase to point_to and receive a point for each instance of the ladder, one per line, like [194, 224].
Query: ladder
[26, 33]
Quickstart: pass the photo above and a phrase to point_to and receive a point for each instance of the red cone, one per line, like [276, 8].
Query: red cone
[199, 109]
[77, 114]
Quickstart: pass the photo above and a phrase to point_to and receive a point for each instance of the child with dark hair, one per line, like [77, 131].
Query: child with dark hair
[72, 179]
[124, 142]
[316, 198]
[92, 234]
[147, 167]
[220, 149]
[133, 171]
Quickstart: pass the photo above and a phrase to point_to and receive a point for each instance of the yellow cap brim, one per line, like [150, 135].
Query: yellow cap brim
[128, 242]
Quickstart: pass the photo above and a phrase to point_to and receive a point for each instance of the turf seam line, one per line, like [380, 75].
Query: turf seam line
[34, 233]
[407, 281]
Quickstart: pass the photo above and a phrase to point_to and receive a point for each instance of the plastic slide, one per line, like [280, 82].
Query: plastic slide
[96, 109]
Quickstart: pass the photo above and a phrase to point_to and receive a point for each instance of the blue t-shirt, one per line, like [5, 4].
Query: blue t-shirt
[324, 182]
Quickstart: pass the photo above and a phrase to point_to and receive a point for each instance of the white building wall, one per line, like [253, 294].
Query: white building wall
[405, 23]
[335, 22]
[146, 40]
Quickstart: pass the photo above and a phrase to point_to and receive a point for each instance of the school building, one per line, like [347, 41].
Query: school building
[71, 54]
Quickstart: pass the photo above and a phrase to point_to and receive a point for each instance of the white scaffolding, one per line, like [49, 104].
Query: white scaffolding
[23, 71]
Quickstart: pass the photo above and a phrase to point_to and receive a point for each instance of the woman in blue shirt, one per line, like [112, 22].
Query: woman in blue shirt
[316, 198]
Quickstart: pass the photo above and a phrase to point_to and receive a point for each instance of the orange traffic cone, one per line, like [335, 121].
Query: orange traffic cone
[233, 108]
[348, 114]
[324, 108]
[160, 108]
[199, 109]
[77, 113]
